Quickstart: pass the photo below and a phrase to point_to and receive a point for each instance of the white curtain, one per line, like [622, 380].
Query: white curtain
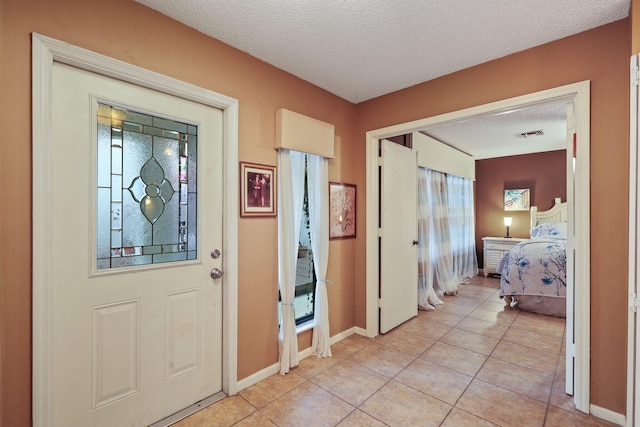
[427, 298]
[290, 197]
[437, 266]
[462, 228]
[318, 182]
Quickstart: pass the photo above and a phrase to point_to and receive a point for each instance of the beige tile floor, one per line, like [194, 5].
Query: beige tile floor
[472, 362]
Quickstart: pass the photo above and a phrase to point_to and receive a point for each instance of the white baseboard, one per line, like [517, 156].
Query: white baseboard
[258, 376]
[360, 331]
[275, 368]
[342, 335]
[607, 415]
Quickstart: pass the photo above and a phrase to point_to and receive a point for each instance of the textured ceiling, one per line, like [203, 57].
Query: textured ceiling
[362, 49]
[498, 135]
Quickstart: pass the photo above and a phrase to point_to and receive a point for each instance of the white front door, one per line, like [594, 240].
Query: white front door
[136, 331]
[398, 244]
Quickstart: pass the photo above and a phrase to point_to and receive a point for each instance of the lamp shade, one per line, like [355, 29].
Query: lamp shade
[507, 221]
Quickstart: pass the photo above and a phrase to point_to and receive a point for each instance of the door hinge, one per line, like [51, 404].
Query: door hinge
[634, 302]
[380, 161]
[571, 350]
[379, 232]
[635, 76]
[379, 302]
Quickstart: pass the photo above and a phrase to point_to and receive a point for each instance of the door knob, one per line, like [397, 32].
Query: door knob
[415, 242]
[216, 273]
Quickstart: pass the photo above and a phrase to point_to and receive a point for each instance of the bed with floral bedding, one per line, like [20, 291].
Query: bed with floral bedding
[534, 272]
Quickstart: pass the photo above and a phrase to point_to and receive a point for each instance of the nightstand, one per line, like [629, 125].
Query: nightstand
[494, 249]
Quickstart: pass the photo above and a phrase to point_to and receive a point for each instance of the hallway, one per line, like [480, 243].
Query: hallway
[472, 362]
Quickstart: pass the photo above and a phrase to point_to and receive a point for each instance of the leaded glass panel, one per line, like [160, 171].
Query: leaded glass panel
[146, 195]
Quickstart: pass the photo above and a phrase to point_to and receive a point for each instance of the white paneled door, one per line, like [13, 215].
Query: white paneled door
[399, 233]
[136, 317]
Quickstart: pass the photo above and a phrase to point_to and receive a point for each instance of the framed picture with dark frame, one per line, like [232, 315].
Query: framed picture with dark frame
[342, 210]
[258, 188]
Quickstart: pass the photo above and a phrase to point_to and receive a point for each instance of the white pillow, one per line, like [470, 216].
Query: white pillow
[550, 229]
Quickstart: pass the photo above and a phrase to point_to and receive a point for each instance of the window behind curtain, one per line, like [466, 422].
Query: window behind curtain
[303, 302]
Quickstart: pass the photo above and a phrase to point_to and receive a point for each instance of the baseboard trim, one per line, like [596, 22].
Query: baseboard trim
[360, 331]
[342, 335]
[275, 368]
[258, 376]
[607, 415]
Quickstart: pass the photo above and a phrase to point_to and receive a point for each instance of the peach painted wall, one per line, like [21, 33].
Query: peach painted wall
[634, 15]
[543, 173]
[602, 56]
[151, 40]
[130, 32]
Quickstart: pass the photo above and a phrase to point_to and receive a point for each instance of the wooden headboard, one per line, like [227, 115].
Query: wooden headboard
[557, 213]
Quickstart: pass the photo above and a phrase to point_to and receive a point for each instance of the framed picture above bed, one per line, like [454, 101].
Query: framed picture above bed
[517, 199]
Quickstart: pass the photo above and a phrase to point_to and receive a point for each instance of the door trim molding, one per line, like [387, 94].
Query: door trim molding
[46, 51]
[580, 93]
[634, 241]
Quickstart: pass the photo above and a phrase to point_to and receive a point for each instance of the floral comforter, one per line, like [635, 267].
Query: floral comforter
[535, 267]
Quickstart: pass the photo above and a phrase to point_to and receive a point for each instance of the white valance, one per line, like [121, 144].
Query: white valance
[298, 132]
[434, 155]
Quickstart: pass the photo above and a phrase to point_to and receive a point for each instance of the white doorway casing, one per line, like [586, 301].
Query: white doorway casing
[570, 347]
[46, 51]
[633, 329]
[579, 93]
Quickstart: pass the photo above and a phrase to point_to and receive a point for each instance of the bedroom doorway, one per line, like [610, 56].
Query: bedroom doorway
[577, 194]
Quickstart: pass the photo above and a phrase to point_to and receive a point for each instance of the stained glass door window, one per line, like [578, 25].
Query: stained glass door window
[146, 189]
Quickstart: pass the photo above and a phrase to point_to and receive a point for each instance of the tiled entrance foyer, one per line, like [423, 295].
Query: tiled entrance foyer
[471, 362]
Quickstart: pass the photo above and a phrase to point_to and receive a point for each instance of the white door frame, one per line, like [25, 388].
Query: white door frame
[580, 94]
[46, 51]
[633, 375]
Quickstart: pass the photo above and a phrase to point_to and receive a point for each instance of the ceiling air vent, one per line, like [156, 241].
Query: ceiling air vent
[531, 133]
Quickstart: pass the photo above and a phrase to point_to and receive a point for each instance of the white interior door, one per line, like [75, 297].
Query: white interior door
[399, 233]
[136, 331]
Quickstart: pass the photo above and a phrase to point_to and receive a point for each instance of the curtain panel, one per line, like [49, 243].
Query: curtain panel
[462, 227]
[427, 298]
[291, 170]
[290, 198]
[318, 182]
[446, 232]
